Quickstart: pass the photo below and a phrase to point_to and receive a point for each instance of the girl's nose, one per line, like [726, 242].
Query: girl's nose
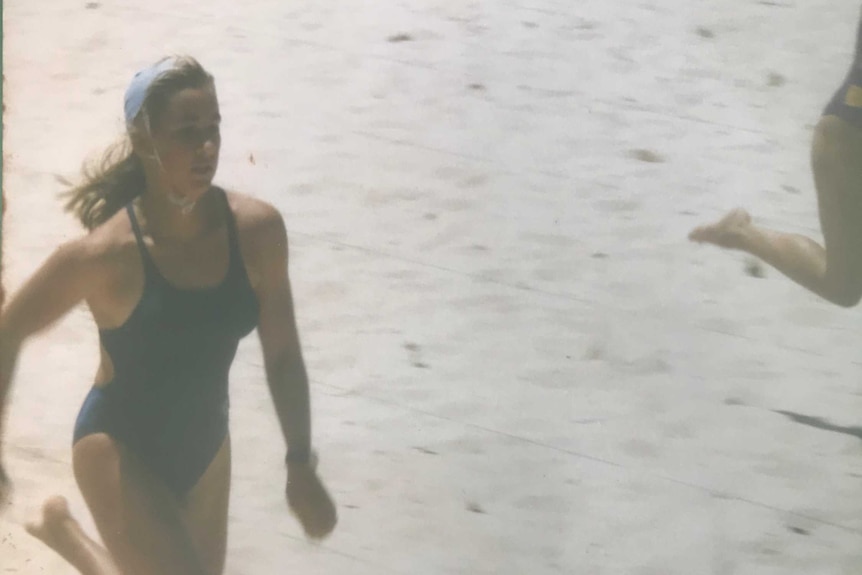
[210, 146]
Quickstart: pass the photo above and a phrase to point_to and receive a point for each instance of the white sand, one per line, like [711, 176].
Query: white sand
[519, 364]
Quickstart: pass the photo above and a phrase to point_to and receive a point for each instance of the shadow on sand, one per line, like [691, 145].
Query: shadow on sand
[820, 423]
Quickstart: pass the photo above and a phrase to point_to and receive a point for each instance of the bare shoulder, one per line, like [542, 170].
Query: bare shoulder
[110, 243]
[78, 270]
[260, 224]
[108, 257]
[83, 254]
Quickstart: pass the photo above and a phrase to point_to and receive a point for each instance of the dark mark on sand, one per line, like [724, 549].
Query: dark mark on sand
[400, 38]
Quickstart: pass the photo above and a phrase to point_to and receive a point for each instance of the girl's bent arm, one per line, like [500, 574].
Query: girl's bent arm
[61, 283]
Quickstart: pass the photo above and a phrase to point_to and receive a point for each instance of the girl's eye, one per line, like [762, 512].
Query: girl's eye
[188, 133]
[192, 135]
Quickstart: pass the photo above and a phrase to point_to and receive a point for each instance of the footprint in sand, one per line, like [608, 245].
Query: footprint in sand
[474, 507]
[754, 269]
[704, 32]
[415, 354]
[775, 80]
[648, 156]
[403, 37]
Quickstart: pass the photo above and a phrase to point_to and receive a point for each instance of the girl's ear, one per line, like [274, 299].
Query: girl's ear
[142, 142]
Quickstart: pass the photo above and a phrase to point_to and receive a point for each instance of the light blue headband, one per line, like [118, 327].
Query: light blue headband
[136, 93]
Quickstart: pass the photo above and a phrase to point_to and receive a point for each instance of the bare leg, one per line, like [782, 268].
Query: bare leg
[205, 518]
[833, 272]
[206, 510]
[798, 257]
[137, 517]
[62, 533]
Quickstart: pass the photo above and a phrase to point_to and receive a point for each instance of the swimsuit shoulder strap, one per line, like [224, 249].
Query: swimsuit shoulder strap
[236, 264]
[149, 266]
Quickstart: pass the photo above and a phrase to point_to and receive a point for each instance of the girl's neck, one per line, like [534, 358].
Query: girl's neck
[165, 221]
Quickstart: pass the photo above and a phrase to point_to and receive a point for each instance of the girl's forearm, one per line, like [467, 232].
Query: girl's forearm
[288, 385]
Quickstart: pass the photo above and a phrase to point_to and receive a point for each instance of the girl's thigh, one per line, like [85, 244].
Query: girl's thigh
[206, 510]
[837, 166]
[138, 518]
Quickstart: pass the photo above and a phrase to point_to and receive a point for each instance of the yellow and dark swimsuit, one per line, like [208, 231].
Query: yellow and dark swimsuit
[847, 101]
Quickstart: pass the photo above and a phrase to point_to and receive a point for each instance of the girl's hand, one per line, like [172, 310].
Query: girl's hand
[310, 502]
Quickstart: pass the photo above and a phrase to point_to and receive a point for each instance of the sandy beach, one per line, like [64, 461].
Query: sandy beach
[518, 363]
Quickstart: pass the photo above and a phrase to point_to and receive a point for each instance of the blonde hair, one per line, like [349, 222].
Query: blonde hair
[117, 176]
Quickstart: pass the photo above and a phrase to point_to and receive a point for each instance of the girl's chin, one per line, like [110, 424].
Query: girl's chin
[200, 185]
[191, 196]
[197, 190]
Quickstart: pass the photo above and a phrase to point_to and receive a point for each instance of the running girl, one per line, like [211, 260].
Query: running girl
[833, 271]
[175, 272]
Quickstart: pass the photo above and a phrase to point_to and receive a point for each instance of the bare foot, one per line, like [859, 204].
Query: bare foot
[53, 528]
[728, 232]
[62, 533]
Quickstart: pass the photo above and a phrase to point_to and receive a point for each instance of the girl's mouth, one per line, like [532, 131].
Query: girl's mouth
[202, 171]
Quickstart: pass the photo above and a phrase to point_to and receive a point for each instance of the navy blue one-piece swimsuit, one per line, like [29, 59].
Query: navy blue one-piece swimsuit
[847, 101]
[168, 400]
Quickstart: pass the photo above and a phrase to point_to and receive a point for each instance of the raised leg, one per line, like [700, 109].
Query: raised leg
[833, 271]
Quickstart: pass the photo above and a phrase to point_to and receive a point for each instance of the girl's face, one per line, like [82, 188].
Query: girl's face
[187, 142]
